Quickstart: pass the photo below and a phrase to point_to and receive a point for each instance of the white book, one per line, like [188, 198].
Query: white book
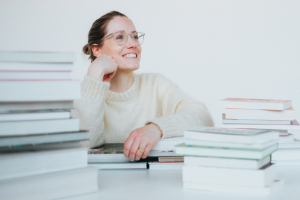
[234, 177]
[119, 157]
[13, 66]
[39, 90]
[253, 121]
[294, 126]
[225, 162]
[165, 166]
[168, 143]
[286, 154]
[287, 163]
[182, 149]
[51, 185]
[215, 134]
[34, 115]
[7, 107]
[295, 133]
[265, 191]
[286, 139]
[290, 145]
[39, 57]
[247, 114]
[35, 127]
[28, 163]
[248, 103]
[120, 165]
[16, 75]
[229, 144]
[46, 138]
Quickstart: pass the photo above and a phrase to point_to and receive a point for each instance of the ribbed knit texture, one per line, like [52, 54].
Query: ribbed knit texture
[110, 117]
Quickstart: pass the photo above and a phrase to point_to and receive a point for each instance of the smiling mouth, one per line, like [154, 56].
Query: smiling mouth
[130, 55]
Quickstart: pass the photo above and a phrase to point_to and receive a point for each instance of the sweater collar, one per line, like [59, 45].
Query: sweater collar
[123, 96]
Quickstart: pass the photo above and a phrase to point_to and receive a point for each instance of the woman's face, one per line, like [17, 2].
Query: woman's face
[121, 54]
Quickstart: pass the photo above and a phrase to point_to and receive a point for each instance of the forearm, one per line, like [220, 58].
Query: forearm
[172, 125]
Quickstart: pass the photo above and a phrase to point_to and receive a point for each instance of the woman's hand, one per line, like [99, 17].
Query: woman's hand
[103, 68]
[140, 141]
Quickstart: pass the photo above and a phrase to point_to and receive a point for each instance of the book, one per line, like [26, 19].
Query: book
[295, 133]
[8, 107]
[120, 165]
[247, 114]
[227, 176]
[253, 121]
[35, 127]
[172, 159]
[267, 190]
[34, 76]
[184, 150]
[51, 185]
[165, 166]
[215, 134]
[287, 138]
[168, 143]
[38, 57]
[286, 154]
[287, 163]
[28, 163]
[113, 152]
[226, 162]
[31, 66]
[248, 103]
[34, 115]
[289, 145]
[230, 144]
[293, 126]
[46, 138]
[40, 146]
[39, 90]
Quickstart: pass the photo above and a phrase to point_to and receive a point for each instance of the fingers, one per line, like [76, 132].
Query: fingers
[140, 150]
[127, 144]
[147, 150]
[134, 148]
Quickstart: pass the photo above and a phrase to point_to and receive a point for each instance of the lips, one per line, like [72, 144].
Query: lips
[130, 55]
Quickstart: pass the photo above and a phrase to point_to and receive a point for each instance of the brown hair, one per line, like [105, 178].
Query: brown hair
[98, 31]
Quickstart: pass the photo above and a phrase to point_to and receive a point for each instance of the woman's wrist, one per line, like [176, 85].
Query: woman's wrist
[158, 128]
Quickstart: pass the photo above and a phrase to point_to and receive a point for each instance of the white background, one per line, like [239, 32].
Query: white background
[211, 49]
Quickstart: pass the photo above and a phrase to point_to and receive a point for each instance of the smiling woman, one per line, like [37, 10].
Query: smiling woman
[118, 105]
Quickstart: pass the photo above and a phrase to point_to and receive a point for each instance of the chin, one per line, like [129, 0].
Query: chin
[129, 67]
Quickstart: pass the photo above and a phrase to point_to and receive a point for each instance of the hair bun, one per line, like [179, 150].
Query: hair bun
[86, 49]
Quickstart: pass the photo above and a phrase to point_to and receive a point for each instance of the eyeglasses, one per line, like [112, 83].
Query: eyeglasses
[121, 37]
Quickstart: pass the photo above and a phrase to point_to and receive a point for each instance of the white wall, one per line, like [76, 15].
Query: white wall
[211, 49]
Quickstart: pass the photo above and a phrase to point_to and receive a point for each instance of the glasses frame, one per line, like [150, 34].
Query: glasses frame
[130, 34]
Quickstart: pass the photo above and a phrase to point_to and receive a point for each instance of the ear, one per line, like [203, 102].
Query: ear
[96, 50]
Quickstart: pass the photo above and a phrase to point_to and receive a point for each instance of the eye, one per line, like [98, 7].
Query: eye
[119, 37]
[135, 36]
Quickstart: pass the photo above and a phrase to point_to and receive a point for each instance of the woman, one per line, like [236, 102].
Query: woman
[120, 106]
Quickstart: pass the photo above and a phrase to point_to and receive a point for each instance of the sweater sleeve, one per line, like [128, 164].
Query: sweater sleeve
[90, 110]
[178, 110]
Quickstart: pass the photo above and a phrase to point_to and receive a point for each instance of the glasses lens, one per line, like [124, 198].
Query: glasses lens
[140, 37]
[120, 38]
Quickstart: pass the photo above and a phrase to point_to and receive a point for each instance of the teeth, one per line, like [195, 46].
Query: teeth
[130, 55]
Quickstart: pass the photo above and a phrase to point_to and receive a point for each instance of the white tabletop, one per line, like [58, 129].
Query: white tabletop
[163, 184]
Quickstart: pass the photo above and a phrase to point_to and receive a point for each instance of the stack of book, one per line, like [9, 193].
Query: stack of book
[111, 156]
[229, 160]
[266, 114]
[39, 142]
[161, 156]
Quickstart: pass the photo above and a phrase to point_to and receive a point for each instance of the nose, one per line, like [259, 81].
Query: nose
[131, 43]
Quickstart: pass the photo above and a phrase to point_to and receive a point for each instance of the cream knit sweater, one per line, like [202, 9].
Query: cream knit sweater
[110, 117]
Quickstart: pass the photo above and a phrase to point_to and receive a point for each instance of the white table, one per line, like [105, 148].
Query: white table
[153, 185]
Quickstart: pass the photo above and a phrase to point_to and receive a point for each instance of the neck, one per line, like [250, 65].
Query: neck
[121, 82]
